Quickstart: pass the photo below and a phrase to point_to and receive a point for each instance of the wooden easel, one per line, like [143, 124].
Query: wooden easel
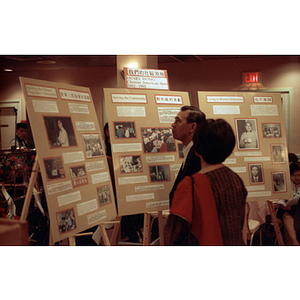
[275, 223]
[147, 229]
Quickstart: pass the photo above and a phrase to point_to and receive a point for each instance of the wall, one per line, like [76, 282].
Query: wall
[278, 72]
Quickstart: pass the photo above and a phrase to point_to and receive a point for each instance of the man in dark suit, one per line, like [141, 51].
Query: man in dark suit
[183, 129]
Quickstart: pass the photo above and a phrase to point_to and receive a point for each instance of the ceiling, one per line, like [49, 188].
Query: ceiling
[23, 63]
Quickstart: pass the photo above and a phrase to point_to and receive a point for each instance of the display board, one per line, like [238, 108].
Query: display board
[71, 155]
[260, 156]
[146, 157]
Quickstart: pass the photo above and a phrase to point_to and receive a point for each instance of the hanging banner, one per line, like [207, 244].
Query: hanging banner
[146, 79]
[71, 155]
[260, 156]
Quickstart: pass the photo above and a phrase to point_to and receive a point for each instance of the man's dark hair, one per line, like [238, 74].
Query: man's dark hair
[195, 114]
[214, 140]
[21, 125]
[294, 166]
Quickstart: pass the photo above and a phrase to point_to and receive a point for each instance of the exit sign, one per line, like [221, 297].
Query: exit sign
[253, 77]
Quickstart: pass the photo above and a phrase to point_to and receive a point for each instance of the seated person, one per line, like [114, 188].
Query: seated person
[208, 207]
[287, 214]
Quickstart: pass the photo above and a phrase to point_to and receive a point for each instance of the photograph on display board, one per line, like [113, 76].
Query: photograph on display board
[60, 131]
[159, 173]
[256, 173]
[158, 140]
[278, 154]
[79, 176]
[247, 137]
[271, 130]
[124, 130]
[93, 145]
[103, 195]
[279, 183]
[131, 164]
[66, 221]
[54, 168]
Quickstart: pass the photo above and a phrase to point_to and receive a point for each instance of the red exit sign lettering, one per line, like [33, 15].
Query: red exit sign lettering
[253, 77]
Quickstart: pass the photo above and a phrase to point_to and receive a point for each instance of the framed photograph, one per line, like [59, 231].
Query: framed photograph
[66, 220]
[278, 154]
[159, 173]
[103, 195]
[60, 131]
[247, 137]
[124, 130]
[158, 140]
[256, 173]
[54, 168]
[271, 130]
[131, 164]
[93, 146]
[279, 182]
[78, 175]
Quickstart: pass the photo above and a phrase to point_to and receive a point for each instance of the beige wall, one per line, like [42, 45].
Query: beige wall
[224, 75]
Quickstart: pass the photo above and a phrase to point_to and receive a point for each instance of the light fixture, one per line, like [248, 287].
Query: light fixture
[8, 70]
[46, 62]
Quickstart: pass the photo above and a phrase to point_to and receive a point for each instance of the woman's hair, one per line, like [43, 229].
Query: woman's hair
[294, 166]
[214, 140]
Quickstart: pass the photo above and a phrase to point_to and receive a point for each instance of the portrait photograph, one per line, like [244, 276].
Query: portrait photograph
[54, 168]
[271, 130]
[256, 173]
[278, 154]
[79, 176]
[93, 146]
[103, 195]
[124, 130]
[158, 140]
[131, 164]
[66, 220]
[159, 173]
[279, 183]
[247, 137]
[60, 131]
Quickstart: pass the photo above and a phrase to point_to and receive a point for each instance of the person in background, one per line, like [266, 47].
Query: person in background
[287, 213]
[208, 207]
[20, 140]
[183, 129]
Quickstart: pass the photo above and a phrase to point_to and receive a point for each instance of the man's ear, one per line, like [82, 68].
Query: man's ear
[193, 127]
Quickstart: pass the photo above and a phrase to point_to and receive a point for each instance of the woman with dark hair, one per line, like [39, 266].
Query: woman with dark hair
[208, 208]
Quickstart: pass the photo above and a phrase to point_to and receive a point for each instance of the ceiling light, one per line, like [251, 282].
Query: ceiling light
[8, 70]
[46, 62]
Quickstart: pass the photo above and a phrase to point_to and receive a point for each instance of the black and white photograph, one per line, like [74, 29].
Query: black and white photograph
[124, 130]
[256, 173]
[279, 183]
[66, 220]
[131, 164]
[93, 145]
[278, 154]
[60, 131]
[159, 173]
[247, 137]
[79, 176]
[103, 195]
[271, 130]
[158, 140]
[54, 168]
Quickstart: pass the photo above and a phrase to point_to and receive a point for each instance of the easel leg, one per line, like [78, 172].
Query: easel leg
[147, 229]
[72, 241]
[32, 180]
[104, 235]
[276, 226]
[116, 231]
[161, 228]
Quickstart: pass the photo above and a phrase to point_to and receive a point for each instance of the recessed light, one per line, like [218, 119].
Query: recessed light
[8, 70]
[46, 62]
